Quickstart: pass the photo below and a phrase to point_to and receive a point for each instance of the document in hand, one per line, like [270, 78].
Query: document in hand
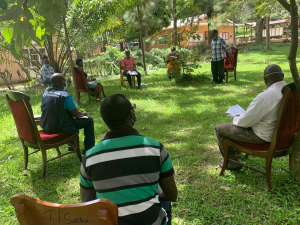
[235, 110]
[132, 73]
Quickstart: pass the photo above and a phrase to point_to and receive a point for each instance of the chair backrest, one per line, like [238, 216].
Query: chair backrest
[22, 112]
[228, 62]
[30, 211]
[286, 124]
[80, 79]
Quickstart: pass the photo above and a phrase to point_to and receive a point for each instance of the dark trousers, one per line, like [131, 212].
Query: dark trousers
[129, 78]
[166, 205]
[228, 130]
[87, 124]
[217, 69]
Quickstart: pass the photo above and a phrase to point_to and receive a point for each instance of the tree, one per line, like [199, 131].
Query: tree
[292, 8]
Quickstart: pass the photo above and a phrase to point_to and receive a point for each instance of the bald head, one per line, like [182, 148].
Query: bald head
[58, 79]
[273, 74]
[173, 48]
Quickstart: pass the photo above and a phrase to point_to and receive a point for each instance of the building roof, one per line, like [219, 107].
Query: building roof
[181, 23]
[274, 23]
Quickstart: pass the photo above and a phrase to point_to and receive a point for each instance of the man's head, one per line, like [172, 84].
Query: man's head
[79, 62]
[127, 53]
[117, 112]
[46, 62]
[173, 49]
[214, 34]
[273, 74]
[58, 80]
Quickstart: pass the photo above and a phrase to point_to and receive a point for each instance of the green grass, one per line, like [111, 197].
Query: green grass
[241, 32]
[183, 119]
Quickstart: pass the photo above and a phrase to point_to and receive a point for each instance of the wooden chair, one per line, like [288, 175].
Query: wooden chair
[29, 134]
[287, 124]
[81, 83]
[229, 64]
[30, 211]
[123, 77]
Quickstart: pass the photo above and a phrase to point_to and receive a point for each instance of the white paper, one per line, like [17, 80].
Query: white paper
[132, 73]
[235, 110]
[37, 116]
[173, 56]
[81, 117]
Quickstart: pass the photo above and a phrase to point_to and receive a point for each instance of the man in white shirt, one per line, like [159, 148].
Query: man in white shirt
[256, 125]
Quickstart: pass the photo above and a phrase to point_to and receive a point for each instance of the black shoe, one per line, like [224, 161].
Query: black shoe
[230, 168]
[71, 148]
[130, 87]
[139, 87]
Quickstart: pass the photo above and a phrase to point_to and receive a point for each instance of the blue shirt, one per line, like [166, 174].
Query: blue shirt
[69, 103]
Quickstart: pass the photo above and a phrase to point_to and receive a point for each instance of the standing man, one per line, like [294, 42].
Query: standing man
[218, 47]
[46, 72]
[128, 64]
[60, 115]
[127, 168]
[256, 125]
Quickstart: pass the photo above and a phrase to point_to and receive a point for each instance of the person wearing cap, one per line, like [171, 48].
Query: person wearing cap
[173, 63]
[256, 125]
[46, 72]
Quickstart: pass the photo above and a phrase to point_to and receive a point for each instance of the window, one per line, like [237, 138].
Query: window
[163, 40]
[224, 35]
[179, 37]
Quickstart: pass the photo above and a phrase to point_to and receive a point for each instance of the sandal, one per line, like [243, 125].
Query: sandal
[71, 148]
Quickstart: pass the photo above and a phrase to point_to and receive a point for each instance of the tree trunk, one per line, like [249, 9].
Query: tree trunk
[268, 33]
[175, 42]
[259, 29]
[141, 39]
[233, 23]
[147, 45]
[294, 158]
[71, 61]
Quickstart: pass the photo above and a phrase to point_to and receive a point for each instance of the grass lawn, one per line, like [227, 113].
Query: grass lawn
[183, 119]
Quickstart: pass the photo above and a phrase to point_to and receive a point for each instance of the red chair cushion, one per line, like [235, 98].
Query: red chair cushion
[255, 147]
[53, 138]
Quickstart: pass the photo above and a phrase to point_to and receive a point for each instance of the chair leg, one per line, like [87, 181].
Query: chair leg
[78, 149]
[58, 151]
[44, 158]
[25, 157]
[268, 174]
[235, 74]
[226, 76]
[225, 156]
[89, 97]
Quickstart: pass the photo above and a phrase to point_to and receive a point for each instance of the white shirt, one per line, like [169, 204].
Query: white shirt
[262, 112]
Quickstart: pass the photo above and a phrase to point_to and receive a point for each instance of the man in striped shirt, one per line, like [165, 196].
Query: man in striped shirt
[127, 168]
[218, 47]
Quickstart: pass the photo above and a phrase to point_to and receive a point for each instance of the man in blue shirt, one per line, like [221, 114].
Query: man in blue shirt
[218, 47]
[46, 72]
[60, 115]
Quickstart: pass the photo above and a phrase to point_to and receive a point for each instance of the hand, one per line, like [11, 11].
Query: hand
[84, 113]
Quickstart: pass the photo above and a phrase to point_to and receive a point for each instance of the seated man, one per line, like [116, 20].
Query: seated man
[46, 72]
[256, 125]
[92, 83]
[126, 168]
[173, 63]
[60, 115]
[128, 64]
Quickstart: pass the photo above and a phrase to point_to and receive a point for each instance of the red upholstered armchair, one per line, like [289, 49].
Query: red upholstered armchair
[229, 64]
[30, 136]
[81, 83]
[287, 125]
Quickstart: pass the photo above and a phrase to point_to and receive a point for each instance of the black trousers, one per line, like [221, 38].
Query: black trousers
[129, 78]
[217, 69]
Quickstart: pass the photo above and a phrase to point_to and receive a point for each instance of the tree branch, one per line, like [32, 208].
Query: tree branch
[286, 5]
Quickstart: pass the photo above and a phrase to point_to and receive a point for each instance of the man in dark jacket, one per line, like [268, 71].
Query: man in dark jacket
[60, 115]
